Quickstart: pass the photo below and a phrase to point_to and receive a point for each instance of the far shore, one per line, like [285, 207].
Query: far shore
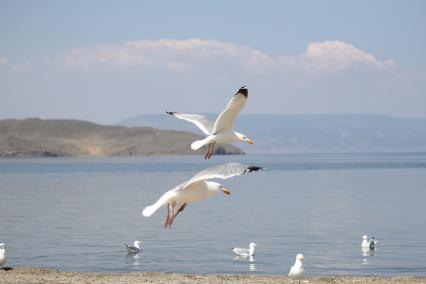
[42, 275]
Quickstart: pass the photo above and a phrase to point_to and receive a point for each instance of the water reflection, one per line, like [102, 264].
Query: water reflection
[368, 252]
[134, 259]
[250, 259]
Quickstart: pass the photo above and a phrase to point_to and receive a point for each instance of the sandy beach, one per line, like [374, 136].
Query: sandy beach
[40, 275]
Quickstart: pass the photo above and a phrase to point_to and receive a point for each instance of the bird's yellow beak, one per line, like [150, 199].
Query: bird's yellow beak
[226, 191]
[250, 141]
[303, 258]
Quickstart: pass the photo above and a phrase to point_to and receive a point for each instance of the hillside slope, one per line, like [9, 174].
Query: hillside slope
[36, 137]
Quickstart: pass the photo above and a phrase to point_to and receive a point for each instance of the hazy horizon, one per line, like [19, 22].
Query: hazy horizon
[213, 115]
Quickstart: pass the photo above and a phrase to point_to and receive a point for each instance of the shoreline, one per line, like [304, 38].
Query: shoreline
[44, 275]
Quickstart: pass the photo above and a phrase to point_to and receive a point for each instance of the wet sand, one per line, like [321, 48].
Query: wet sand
[39, 275]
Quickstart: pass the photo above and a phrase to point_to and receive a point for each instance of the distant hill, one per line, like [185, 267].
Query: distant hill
[36, 137]
[313, 133]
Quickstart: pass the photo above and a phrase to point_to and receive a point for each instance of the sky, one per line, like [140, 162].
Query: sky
[105, 61]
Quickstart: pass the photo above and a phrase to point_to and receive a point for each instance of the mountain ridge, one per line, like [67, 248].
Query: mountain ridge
[34, 137]
[275, 133]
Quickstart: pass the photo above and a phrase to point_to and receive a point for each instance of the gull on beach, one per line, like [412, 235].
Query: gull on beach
[2, 255]
[296, 271]
[222, 130]
[244, 251]
[196, 189]
[368, 244]
[135, 248]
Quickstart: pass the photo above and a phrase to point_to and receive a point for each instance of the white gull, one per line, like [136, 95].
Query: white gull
[196, 189]
[222, 130]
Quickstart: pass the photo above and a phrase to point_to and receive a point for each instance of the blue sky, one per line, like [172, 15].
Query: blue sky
[107, 60]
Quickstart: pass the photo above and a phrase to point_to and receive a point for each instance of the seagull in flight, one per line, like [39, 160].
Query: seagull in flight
[222, 130]
[196, 189]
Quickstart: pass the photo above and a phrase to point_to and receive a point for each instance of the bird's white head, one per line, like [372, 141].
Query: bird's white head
[252, 244]
[365, 237]
[243, 138]
[2, 245]
[215, 187]
[300, 257]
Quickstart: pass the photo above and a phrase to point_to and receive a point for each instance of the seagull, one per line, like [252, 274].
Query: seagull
[296, 271]
[196, 189]
[370, 244]
[135, 248]
[245, 252]
[222, 130]
[2, 255]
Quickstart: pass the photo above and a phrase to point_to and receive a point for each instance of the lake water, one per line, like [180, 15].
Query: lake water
[75, 214]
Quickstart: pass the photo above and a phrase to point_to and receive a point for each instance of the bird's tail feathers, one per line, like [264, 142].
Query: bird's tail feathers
[165, 199]
[149, 210]
[198, 144]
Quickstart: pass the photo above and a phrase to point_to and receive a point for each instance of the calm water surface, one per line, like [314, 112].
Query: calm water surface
[75, 214]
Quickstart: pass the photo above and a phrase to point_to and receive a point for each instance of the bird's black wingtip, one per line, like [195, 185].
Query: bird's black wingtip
[170, 112]
[243, 90]
[253, 169]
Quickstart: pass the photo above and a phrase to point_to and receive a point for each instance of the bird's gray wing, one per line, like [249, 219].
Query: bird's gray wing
[226, 118]
[223, 171]
[199, 120]
[131, 249]
[241, 251]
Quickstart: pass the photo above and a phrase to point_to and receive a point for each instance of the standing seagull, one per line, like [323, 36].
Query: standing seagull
[222, 130]
[368, 244]
[135, 248]
[2, 255]
[296, 271]
[196, 189]
[245, 252]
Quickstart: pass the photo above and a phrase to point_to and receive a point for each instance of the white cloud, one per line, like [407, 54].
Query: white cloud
[184, 55]
[175, 55]
[338, 55]
[332, 57]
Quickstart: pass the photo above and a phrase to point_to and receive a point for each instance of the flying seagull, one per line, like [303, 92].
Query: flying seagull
[135, 248]
[196, 189]
[222, 130]
[244, 251]
[296, 271]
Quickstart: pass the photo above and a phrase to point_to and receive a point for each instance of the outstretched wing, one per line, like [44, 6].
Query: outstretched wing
[225, 120]
[223, 171]
[200, 120]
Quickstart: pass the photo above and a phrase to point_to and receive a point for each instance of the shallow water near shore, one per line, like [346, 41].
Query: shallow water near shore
[75, 214]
